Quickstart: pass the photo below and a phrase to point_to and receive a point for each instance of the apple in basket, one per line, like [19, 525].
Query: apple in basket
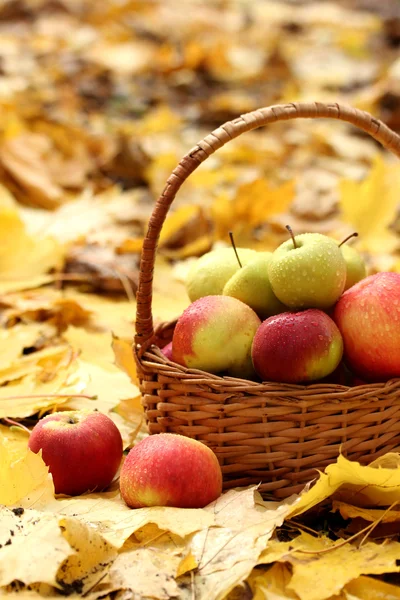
[82, 448]
[296, 347]
[368, 316]
[167, 469]
[215, 334]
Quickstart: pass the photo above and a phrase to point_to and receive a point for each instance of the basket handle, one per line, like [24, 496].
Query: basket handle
[218, 138]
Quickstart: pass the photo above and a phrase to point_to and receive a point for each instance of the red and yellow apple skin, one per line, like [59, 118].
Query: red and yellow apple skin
[167, 351]
[83, 450]
[167, 469]
[368, 316]
[215, 334]
[295, 347]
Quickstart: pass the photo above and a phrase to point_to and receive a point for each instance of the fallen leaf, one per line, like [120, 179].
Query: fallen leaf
[35, 535]
[116, 522]
[371, 485]
[348, 511]
[22, 256]
[124, 360]
[23, 478]
[226, 554]
[253, 204]
[371, 219]
[272, 584]
[24, 158]
[323, 574]
[90, 561]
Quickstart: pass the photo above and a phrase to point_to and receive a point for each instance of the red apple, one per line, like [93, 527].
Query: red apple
[368, 316]
[215, 334]
[167, 351]
[297, 346]
[82, 448]
[167, 469]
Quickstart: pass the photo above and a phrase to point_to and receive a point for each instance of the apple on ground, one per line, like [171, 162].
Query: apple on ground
[168, 469]
[251, 285]
[308, 271]
[295, 347]
[368, 316]
[210, 272]
[82, 448]
[215, 334]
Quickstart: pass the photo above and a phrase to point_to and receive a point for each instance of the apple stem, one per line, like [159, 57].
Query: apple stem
[94, 397]
[290, 230]
[16, 424]
[234, 248]
[355, 234]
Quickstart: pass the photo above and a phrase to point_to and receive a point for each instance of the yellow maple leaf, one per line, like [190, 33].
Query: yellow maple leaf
[254, 203]
[23, 257]
[323, 573]
[373, 485]
[370, 207]
[22, 477]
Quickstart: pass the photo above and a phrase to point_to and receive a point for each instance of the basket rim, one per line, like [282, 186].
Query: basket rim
[154, 359]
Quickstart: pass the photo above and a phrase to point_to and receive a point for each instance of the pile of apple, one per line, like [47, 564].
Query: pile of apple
[304, 313]
[83, 450]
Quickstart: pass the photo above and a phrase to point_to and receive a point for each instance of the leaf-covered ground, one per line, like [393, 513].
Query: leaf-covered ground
[98, 102]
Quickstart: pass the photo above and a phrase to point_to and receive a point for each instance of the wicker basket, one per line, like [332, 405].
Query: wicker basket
[270, 433]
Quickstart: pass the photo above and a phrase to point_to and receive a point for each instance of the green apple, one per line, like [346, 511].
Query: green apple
[209, 273]
[355, 266]
[308, 271]
[251, 285]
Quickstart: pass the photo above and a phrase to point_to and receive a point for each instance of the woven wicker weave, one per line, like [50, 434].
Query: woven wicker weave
[270, 433]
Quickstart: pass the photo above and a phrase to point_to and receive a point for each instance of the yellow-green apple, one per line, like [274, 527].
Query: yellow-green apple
[251, 285]
[295, 347]
[308, 271]
[355, 266]
[167, 469]
[82, 448]
[215, 334]
[368, 316]
[211, 271]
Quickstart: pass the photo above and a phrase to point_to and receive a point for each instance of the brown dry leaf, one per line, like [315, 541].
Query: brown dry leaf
[24, 478]
[23, 257]
[35, 535]
[24, 159]
[370, 207]
[47, 305]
